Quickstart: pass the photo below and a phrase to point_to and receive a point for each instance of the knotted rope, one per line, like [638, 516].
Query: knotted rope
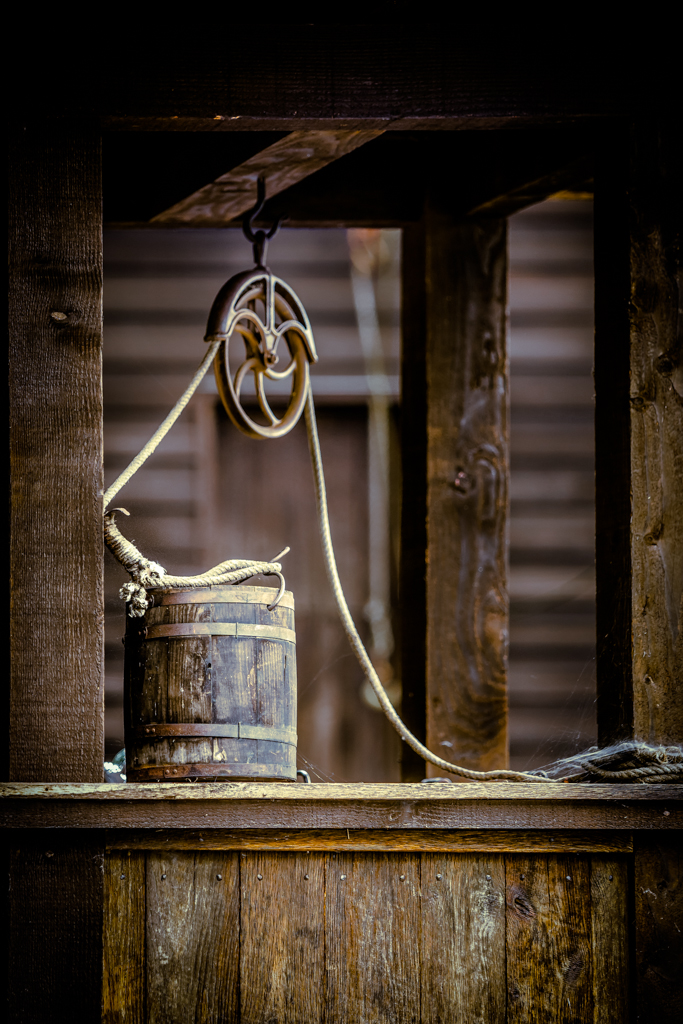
[146, 574]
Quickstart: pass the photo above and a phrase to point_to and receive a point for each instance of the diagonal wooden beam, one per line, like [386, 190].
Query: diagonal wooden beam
[282, 165]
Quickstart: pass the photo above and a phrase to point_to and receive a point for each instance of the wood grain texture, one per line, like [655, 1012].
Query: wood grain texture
[463, 938]
[56, 692]
[210, 679]
[282, 961]
[409, 840]
[549, 951]
[609, 938]
[531, 994]
[283, 164]
[639, 437]
[393, 808]
[372, 925]
[658, 886]
[570, 939]
[123, 965]
[54, 929]
[192, 937]
[467, 491]
[656, 398]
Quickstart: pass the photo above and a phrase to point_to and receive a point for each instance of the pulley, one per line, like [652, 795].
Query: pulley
[278, 343]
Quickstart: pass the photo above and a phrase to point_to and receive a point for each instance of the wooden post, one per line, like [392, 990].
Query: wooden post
[639, 440]
[455, 442]
[639, 506]
[56, 688]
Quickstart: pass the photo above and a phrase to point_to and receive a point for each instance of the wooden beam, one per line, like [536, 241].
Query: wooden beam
[56, 549]
[253, 806]
[455, 438]
[639, 438]
[490, 174]
[283, 164]
[415, 840]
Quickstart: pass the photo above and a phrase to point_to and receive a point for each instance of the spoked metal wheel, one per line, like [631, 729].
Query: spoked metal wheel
[273, 345]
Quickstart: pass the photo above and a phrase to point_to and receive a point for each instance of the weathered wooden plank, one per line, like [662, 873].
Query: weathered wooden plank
[609, 938]
[343, 793]
[192, 937]
[639, 437]
[54, 929]
[283, 164]
[282, 924]
[531, 994]
[372, 929]
[252, 806]
[123, 980]
[56, 690]
[409, 840]
[658, 885]
[571, 954]
[462, 949]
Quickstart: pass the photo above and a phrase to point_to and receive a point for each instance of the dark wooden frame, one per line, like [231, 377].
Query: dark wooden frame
[55, 696]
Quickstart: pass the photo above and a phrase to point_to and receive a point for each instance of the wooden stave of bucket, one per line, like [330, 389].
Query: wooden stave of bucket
[217, 659]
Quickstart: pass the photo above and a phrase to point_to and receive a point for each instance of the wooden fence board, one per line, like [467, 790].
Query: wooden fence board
[192, 926]
[463, 938]
[282, 938]
[531, 995]
[123, 991]
[570, 937]
[609, 935]
[372, 938]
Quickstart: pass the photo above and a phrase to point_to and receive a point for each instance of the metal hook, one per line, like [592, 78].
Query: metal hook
[259, 238]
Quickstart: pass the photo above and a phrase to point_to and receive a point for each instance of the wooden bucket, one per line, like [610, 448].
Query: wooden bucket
[210, 687]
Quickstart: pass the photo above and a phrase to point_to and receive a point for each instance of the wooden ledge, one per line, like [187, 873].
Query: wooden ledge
[257, 806]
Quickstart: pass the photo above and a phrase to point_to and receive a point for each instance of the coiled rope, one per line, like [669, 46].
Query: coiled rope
[146, 574]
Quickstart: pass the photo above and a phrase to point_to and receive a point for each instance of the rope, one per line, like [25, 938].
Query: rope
[150, 575]
[163, 430]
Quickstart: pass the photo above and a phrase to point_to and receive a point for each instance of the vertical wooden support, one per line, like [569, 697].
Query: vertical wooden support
[658, 885]
[56, 714]
[56, 690]
[455, 441]
[639, 439]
